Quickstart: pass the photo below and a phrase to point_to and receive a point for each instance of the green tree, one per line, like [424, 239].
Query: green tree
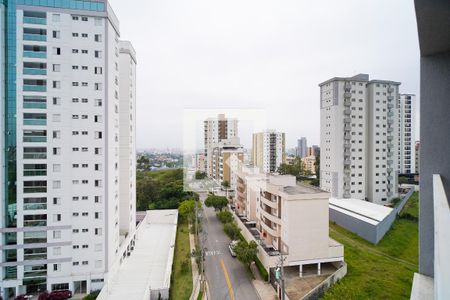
[200, 175]
[143, 163]
[225, 216]
[226, 184]
[232, 230]
[246, 252]
[186, 210]
[296, 168]
[317, 167]
[147, 191]
[218, 202]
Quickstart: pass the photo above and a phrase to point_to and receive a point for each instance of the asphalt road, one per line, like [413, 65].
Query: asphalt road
[227, 277]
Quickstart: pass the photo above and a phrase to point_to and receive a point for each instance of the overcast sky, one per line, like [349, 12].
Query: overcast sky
[259, 54]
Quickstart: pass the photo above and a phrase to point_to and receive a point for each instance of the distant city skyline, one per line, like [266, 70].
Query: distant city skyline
[260, 55]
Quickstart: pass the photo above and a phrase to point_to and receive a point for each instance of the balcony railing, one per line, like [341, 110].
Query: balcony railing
[34, 88]
[35, 105]
[38, 122]
[34, 37]
[34, 139]
[34, 71]
[35, 54]
[33, 20]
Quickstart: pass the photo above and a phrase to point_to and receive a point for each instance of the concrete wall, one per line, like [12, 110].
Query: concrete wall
[319, 290]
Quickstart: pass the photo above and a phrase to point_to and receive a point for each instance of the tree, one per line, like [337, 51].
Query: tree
[246, 252]
[143, 163]
[186, 210]
[200, 175]
[232, 230]
[296, 168]
[225, 184]
[218, 202]
[147, 191]
[225, 216]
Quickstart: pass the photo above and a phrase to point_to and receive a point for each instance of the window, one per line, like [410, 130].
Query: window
[98, 231]
[56, 250]
[98, 54]
[75, 18]
[56, 101]
[84, 35]
[84, 100]
[98, 38]
[98, 102]
[56, 51]
[75, 83]
[97, 199]
[56, 184]
[56, 84]
[84, 68]
[85, 214]
[74, 50]
[74, 67]
[98, 86]
[56, 218]
[56, 267]
[56, 201]
[57, 233]
[56, 151]
[56, 18]
[56, 68]
[84, 51]
[56, 168]
[75, 214]
[98, 70]
[84, 19]
[56, 34]
[75, 34]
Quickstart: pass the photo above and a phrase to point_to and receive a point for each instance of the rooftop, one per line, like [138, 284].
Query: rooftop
[150, 264]
[360, 209]
[301, 188]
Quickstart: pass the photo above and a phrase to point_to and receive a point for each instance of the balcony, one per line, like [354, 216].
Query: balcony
[390, 138]
[34, 37]
[390, 89]
[389, 170]
[270, 217]
[270, 230]
[347, 162]
[347, 120]
[390, 121]
[35, 54]
[35, 173]
[34, 139]
[347, 137]
[390, 161]
[390, 98]
[35, 122]
[33, 71]
[347, 102]
[347, 146]
[34, 20]
[390, 129]
[347, 95]
[347, 127]
[347, 111]
[34, 88]
[390, 106]
[270, 203]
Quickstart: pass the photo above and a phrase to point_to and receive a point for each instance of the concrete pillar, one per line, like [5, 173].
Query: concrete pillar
[300, 271]
[318, 269]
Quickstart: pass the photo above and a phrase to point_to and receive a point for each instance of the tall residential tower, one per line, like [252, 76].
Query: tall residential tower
[268, 150]
[359, 138]
[406, 124]
[67, 118]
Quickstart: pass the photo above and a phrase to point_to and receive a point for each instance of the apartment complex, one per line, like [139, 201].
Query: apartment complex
[287, 217]
[314, 150]
[68, 134]
[359, 138]
[406, 149]
[309, 164]
[226, 156]
[302, 147]
[216, 130]
[268, 150]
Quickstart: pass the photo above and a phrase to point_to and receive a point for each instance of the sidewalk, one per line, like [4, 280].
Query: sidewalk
[263, 288]
[195, 273]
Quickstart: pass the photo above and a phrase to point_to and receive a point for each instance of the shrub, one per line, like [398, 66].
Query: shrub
[232, 230]
[261, 269]
[225, 216]
[92, 296]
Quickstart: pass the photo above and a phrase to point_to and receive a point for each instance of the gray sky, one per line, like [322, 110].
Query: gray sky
[259, 54]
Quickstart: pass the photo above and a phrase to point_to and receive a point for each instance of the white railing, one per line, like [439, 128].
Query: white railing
[441, 240]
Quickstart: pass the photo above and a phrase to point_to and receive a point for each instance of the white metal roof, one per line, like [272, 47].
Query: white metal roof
[150, 264]
[363, 210]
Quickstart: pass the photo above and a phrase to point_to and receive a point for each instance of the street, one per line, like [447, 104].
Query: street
[227, 277]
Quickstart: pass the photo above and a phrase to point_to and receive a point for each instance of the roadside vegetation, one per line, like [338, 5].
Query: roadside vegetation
[92, 296]
[162, 189]
[383, 271]
[181, 280]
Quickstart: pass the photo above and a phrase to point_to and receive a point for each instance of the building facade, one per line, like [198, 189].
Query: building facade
[302, 147]
[359, 138]
[283, 216]
[62, 133]
[226, 157]
[309, 163]
[216, 130]
[406, 125]
[268, 150]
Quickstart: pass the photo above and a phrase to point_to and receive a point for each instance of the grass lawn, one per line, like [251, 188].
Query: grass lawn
[384, 271]
[181, 281]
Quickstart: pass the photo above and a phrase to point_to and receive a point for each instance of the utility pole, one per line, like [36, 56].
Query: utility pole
[280, 275]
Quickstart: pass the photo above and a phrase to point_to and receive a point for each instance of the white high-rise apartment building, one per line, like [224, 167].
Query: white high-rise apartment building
[406, 146]
[268, 150]
[359, 134]
[63, 128]
[302, 147]
[216, 130]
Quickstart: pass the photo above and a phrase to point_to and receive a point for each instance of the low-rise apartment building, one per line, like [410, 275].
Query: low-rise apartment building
[309, 163]
[285, 217]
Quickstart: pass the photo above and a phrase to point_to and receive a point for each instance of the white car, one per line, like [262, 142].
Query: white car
[231, 248]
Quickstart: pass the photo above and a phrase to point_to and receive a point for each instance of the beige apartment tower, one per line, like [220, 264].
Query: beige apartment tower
[268, 151]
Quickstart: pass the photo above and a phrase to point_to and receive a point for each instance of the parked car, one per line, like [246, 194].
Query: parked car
[23, 297]
[60, 295]
[231, 248]
[55, 295]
